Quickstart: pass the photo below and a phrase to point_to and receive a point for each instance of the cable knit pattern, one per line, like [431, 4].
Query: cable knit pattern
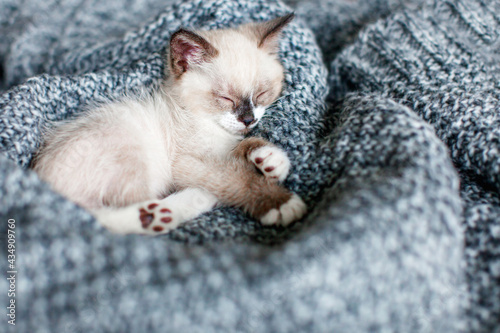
[443, 62]
[400, 173]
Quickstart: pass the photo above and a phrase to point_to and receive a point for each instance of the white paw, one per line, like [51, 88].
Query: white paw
[290, 211]
[161, 216]
[156, 218]
[271, 161]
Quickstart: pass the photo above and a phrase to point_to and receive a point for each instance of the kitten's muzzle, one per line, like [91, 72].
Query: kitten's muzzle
[244, 112]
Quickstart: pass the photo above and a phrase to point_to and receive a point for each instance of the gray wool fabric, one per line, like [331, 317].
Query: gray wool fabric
[444, 63]
[390, 117]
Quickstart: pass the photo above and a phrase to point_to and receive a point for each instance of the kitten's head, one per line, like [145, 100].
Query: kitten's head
[228, 75]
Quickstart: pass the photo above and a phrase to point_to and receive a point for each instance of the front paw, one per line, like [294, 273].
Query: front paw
[271, 161]
[290, 211]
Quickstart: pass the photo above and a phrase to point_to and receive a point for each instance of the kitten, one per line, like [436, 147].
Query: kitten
[146, 165]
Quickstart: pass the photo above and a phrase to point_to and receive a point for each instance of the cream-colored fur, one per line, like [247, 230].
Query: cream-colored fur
[145, 164]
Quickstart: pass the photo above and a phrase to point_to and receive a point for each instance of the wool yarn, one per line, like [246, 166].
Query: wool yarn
[399, 175]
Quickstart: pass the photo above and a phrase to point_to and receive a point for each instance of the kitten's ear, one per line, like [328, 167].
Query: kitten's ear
[187, 49]
[268, 33]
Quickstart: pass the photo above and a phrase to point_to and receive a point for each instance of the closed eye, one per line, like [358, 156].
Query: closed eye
[261, 95]
[228, 100]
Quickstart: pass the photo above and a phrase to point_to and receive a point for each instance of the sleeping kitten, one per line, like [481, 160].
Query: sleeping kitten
[146, 165]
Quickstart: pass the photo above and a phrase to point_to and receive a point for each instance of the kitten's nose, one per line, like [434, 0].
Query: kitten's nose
[247, 120]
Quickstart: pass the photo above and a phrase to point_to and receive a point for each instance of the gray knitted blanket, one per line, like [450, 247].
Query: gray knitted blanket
[391, 118]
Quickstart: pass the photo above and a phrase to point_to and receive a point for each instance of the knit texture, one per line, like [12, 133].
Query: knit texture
[382, 248]
[443, 63]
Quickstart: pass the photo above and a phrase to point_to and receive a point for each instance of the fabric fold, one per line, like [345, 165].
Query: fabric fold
[398, 171]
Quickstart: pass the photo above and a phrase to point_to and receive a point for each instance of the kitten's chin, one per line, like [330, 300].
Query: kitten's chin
[240, 133]
[233, 131]
[245, 131]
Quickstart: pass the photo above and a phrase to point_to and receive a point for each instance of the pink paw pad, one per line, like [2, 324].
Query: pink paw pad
[146, 218]
[152, 216]
[166, 219]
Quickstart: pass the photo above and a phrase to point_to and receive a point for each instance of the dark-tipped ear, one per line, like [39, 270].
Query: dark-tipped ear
[268, 33]
[187, 49]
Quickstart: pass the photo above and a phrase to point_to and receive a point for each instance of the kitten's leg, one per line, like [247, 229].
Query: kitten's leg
[269, 159]
[155, 217]
[274, 165]
[235, 183]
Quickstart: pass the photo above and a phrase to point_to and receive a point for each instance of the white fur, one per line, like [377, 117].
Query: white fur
[209, 137]
[274, 158]
[230, 122]
[182, 206]
[258, 113]
[87, 157]
[119, 158]
[292, 210]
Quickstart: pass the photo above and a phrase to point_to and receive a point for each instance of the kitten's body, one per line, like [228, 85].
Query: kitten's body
[121, 159]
